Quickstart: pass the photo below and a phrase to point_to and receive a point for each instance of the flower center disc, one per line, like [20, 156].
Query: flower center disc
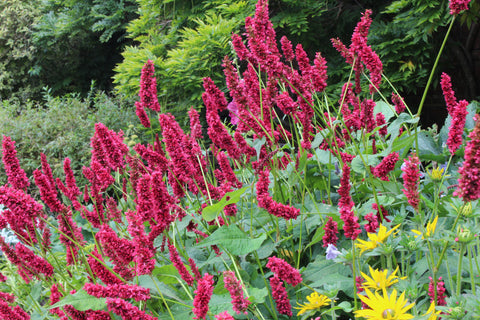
[388, 314]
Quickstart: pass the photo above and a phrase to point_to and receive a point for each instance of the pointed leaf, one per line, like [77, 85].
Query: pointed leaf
[82, 301]
[233, 240]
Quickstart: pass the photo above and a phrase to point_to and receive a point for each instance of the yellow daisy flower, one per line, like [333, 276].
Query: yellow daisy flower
[384, 307]
[375, 239]
[315, 301]
[429, 229]
[437, 173]
[433, 315]
[379, 279]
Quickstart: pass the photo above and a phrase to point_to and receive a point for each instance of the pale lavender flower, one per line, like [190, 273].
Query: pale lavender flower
[332, 252]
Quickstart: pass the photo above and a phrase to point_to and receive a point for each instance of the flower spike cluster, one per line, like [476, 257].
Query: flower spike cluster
[469, 181]
[284, 271]
[359, 52]
[16, 175]
[351, 227]
[266, 201]
[456, 110]
[203, 294]
[457, 6]
[234, 287]
[411, 179]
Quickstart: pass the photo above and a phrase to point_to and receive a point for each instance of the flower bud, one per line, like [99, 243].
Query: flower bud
[464, 235]
[466, 210]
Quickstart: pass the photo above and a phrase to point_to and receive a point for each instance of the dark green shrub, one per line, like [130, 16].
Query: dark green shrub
[61, 128]
[187, 41]
[80, 41]
[16, 47]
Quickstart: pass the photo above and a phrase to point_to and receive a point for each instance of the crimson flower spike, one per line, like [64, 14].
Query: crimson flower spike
[148, 87]
[457, 6]
[469, 182]
[457, 111]
[15, 174]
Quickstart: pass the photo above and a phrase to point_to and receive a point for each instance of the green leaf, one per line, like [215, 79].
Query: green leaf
[258, 144]
[385, 108]
[323, 156]
[394, 127]
[317, 140]
[157, 287]
[358, 165]
[317, 237]
[257, 295]
[211, 212]
[82, 301]
[428, 148]
[233, 240]
[403, 142]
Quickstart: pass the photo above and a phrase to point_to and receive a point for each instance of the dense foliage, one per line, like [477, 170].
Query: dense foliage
[61, 127]
[17, 51]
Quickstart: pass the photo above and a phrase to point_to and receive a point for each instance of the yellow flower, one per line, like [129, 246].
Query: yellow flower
[433, 315]
[375, 239]
[384, 307]
[429, 229]
[315, 301]
[437, 173]
[379, 279]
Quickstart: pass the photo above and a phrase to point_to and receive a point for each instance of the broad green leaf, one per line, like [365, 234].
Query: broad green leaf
[211, 212]
[82, 301]
[258, 144]
[157, 287]
[403, 142]
[317, 237]
[323, 156]
[220, 303]
[257, 295]
[358, 165]
[428, 148]
[233, 240]
[167, 274]
[317, 140]
[394, 128]
[385, 108]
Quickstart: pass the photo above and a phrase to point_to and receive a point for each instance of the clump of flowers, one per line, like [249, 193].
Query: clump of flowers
[379, 279]
[315, 301]
[385, 306]
[457, 6]
[411, 178]
[437, 291]
[469, 182]
[375, 239]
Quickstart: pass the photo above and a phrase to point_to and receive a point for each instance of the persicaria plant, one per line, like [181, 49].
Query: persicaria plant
[305, 204]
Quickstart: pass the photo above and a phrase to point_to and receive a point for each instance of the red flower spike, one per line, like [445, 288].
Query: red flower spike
[148, 87]
[411, 178]
[457, 6]
[234, 287]
[284, 271]
[469, 181]
[177, 262]
[331, 231]
[15, 174]
[203, 294]
[280, 295]
[127, 310]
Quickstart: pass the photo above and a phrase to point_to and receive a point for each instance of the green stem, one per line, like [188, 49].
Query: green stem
[430, 78]
[459, 269]
[472, 277]
[355, 303]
